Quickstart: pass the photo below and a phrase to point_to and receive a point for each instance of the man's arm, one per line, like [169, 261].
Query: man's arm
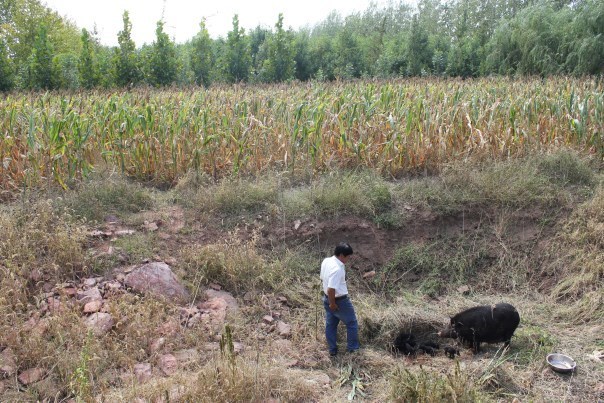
[331, 296]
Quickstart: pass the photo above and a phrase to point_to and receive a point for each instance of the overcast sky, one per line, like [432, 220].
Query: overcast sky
[182, 17]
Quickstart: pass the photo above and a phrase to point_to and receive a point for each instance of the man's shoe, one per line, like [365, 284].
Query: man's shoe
[352, 351]
[333, 353]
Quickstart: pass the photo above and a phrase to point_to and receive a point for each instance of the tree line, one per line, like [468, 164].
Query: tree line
[462, 38]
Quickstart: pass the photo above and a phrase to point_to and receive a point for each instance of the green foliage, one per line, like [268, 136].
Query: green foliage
[567, 168]
[424, 386]
[87, 64]
[127, 71]
[94, 201]
[462, 38]
[279, 64]
[163, 59]
[236, 59]
[201, 56]
[65, 71]
[6, 68]
[41, 62]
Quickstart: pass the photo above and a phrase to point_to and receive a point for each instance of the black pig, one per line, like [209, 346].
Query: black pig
[484, 324]
[451, 351]
[405, 343]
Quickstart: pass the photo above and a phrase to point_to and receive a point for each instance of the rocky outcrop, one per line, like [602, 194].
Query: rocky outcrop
[99, 323]
[157, 279]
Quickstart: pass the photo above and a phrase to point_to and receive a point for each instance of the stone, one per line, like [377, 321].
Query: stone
[186, 357]
[69, 291]
[8, 366]
[464, 290]
[92, 294]
[89, 282]
[216, 308]
[124, 232]
[150, 226]
[157, 279]
[268, 319]
[55, 306]
[93, 306]
[369, 275]
[321, 379]
[46, 389]
[284, 329]
[157, 344]
[216, 287]
[31, 375]
[238, 347]
[168, 364]
[169, 328]
[283, 346]
[99, 323]
[599, 388]
[227, 297]
[143, 372]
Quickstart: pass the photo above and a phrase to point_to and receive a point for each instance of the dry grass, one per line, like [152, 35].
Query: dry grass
[563, 317]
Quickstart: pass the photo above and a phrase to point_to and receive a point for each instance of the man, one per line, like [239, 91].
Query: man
[336, 302]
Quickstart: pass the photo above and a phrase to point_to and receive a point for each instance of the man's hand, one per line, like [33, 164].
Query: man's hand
[331, 296]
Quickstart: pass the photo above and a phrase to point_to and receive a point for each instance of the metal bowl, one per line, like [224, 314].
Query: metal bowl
[561, 363]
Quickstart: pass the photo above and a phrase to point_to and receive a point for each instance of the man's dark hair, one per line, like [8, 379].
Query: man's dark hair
[343, 248]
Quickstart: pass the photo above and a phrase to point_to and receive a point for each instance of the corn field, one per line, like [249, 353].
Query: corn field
[392, 126]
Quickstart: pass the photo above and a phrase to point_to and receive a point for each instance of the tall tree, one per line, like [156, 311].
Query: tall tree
[237, 61]
[163, 58]
[6, 70]
[127, 70]
[201, 55]
[419, 53]
[279, 65]
[87, 62]
[41, 61]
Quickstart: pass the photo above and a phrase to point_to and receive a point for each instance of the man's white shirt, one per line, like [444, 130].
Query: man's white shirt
[333, 276]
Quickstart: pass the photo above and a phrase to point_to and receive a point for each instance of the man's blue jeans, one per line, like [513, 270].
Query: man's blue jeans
[345, 313]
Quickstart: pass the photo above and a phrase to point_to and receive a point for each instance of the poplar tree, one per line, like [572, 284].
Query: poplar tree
[41, 61]
[87, 64]
[201, 55]
[163, 58]
[126, 66]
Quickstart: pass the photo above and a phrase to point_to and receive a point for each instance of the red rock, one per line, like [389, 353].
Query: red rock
[90, 282]
[7, 362]
[99, 323]
[143, 372]
[93, 306]
[31, 375]
[168, 364]
[55, 306]
[369, 275]
[169, 328]
[70, 291]
[157, 279]
[186, 357]
[284, 329]
[464, 289]
[156, 345]
[93, 294]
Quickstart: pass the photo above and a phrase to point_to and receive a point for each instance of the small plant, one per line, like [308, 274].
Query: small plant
[81, 379]
[406, 386]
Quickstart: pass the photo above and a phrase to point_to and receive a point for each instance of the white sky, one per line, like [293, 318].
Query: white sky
[182, 17]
